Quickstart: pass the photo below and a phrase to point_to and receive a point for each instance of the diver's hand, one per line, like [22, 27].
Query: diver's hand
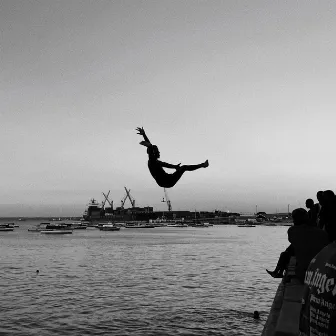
[140, 130]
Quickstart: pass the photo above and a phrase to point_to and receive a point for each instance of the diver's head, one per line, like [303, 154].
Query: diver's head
[153, 151]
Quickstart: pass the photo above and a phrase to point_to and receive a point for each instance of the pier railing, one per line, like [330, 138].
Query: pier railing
[284, 316]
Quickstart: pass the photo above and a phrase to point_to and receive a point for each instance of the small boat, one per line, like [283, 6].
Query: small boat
[61, 228]
[246, 225]
[108, 227]
[119, 224]
[81, 225]
[12, 224]
[160, 224]
[91, 225]
[199, 225]
[6, 227]
[178, 225]
[139, 225]
[39, 227]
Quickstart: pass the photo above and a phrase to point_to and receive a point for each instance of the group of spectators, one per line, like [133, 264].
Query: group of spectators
[312, 241]
[323, 213]
[312, 230]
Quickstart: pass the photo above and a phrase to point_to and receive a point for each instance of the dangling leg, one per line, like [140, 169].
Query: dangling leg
[282, 263]
[172, 179]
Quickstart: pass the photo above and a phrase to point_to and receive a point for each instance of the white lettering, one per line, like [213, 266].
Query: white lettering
[330, 282]
[320, 290]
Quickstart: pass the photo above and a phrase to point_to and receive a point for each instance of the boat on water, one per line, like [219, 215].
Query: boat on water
[139, 225]
[200, 225]
[12, 224]
[108, 227]
[81, 225]
[178, 223]
[119, 224]
[6, 227]
[162, 224]
[39, 227]
[59, 228]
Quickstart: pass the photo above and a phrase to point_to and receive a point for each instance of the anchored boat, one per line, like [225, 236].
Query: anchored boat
[108, 227]
[81, 225]
[39, 227]
[6, 227]
[139, 225]
[61, 228]
[246, 225]
[198, 225]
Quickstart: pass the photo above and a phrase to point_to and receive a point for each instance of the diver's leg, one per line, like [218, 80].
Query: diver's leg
[194, 167]
[172, 179]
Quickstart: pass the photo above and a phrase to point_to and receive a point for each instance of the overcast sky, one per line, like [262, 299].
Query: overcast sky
[248, 85]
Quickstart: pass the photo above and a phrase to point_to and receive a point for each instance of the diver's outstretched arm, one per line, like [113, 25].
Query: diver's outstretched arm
[142, 132]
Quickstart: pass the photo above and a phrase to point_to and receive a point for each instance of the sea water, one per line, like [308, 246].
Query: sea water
[159, 281]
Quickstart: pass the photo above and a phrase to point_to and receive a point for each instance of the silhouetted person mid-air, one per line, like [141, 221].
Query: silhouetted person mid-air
[156, 166]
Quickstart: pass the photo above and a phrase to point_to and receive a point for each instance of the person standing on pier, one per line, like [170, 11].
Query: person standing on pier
[313, 211]
[156, 166]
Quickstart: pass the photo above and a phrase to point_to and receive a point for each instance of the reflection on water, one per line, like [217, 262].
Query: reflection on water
[161, 281]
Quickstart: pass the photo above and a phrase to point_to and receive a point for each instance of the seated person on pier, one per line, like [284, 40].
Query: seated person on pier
[306, 241]
[318, 312]
[156, 166]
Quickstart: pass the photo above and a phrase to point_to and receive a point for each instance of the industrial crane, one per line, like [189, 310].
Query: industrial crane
[128, 195]
[167, 200]
[107, 200]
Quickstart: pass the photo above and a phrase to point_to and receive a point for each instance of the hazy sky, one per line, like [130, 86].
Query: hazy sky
[248, 85]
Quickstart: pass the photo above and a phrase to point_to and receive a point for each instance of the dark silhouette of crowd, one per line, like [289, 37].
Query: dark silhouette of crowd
[323, 213]
[312, 230]
[313, 243]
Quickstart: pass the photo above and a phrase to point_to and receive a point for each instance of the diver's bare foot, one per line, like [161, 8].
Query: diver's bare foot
[206, 164]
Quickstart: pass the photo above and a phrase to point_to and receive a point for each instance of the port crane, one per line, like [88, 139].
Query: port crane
[128, 195]
[167, 200]
[106, 199]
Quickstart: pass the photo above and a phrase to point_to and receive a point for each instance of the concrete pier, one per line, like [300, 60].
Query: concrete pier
[284, 316]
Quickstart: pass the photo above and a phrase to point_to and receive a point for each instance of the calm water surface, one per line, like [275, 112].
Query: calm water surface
[161, 281]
